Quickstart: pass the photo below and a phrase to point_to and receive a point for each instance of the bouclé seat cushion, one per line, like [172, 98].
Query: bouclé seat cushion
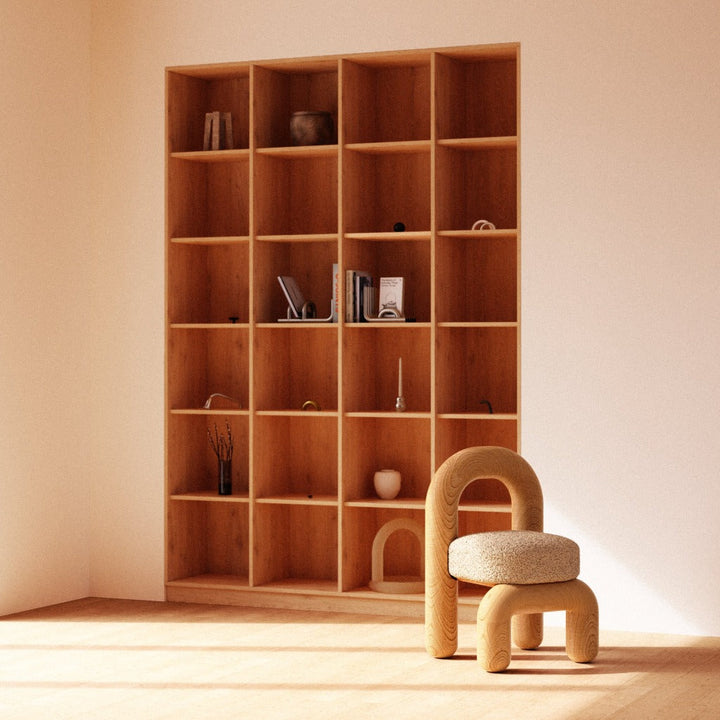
[513, 557]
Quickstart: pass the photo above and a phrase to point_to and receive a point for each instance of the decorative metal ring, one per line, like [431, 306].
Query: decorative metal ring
[310, 405]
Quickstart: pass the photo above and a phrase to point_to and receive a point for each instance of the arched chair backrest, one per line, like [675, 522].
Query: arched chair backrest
[441, 528]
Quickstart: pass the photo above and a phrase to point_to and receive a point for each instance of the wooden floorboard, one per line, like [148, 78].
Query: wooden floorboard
[110, 659]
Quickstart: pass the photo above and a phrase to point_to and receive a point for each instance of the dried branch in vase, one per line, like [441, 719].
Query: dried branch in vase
[222, 446]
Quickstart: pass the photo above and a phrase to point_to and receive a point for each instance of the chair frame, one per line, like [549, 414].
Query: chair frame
[504, 605]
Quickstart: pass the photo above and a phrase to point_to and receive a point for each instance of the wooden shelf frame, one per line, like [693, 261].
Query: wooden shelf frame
[429, 138]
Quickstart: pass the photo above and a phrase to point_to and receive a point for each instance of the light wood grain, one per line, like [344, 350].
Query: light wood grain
[441, 528]
[503, 603]
[101, 659]
[504, 607]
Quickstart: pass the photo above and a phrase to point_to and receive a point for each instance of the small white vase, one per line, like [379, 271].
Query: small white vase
[387, 483]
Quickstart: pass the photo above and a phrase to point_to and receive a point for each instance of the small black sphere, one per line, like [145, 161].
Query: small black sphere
[398, 227]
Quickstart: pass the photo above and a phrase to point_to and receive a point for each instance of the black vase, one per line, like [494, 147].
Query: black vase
[224, 477]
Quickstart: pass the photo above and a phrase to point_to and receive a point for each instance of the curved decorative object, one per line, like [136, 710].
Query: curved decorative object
[396, 585]
[215, 396]
[482, 225]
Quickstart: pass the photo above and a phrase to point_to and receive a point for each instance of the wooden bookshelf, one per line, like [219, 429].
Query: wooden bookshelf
[427, 138]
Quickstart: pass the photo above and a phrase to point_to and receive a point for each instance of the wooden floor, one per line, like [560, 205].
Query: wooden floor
[141, 660]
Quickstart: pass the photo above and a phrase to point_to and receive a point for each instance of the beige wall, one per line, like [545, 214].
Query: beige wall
[620, 208]
[46, 300]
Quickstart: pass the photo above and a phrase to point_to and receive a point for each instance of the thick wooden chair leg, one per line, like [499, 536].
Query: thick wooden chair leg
[527, 630]
[493, 628]
[493, 645]
[581, 626]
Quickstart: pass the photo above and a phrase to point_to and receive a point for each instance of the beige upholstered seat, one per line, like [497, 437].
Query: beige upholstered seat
[515, 557]
[529, 571]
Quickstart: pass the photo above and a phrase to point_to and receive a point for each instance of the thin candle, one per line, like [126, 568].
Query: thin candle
[400, 377]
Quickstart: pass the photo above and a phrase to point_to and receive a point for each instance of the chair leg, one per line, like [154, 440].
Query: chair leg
[527, 630]
[581, 625]
[493, 629]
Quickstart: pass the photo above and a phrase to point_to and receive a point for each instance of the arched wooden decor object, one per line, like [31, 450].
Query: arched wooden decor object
[397, 584]
[441, 528]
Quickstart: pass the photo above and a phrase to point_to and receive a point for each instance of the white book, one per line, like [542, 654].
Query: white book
[391, 298]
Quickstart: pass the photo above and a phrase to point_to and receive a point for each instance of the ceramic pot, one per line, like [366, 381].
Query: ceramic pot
[387, 483]
[311, 127]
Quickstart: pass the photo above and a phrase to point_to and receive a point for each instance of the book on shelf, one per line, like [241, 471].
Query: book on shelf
[218, 131]
[358, 284]
[336, 304]
[293, 294]
[391, 297]
[364, 297]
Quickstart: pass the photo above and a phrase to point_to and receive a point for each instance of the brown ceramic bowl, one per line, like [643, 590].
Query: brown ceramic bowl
[312, 127]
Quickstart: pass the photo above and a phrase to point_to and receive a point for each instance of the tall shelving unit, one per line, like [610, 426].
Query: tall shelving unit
[429, 138]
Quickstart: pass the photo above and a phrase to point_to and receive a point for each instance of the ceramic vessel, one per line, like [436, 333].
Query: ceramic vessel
[312, 127]
[224, 477]
[387, 483]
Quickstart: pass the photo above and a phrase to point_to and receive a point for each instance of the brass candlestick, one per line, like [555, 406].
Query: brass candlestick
[400, 400]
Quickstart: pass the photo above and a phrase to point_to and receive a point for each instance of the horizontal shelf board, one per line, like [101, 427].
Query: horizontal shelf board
[388, 324]
[366, 592]
[300, 585]
[400, 147]
[510, 234]
[298, 413]
[390, 414]
[215, 71]
[484, 143]
[299, 151]
[310, 500]
[210, 496]
[477, 416]
[396, 504]
[468, 594]
[297, 326]
[419, 504]
[238, 155]
[208, 411]
[491, 324]
[310, 237]
[304, 65]
[212, 240]
[210, 580]
[486, 507]
[405, 235]
[209, 326]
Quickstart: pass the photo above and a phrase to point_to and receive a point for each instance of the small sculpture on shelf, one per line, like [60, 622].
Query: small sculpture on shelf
[399, 584]
[482, 225]
[400, 399]
[225, 401]
[223, 448]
